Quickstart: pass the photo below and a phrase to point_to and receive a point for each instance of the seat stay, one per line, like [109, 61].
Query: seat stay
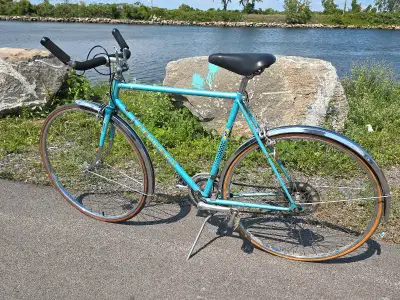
[263, 148]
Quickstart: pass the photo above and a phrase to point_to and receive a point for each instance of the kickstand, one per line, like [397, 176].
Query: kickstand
[198, 235]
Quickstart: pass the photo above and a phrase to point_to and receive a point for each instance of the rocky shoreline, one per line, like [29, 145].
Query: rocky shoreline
[157, 21]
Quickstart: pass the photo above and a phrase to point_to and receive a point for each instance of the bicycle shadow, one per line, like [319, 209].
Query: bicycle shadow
[171, 208]
[215, 222]
[167, 209]
[369, 249]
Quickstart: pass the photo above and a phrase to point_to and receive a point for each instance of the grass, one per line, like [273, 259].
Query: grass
[357, 19]
[391, 228]
[18, 134]
[373, 93]
[278, 18]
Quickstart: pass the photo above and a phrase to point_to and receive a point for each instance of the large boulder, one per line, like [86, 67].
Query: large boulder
[25, 80]
[294, 90]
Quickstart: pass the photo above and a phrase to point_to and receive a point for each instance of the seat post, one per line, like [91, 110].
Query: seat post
[243, 84]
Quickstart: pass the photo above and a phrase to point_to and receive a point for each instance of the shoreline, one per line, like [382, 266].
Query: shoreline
[190, 23]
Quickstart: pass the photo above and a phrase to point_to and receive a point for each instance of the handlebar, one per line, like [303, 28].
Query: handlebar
[88, 64]
[53, 48]
[120, 40]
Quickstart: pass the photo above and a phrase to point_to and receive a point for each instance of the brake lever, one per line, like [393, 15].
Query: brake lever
[124, 51]
[124, 65]
[116, 55]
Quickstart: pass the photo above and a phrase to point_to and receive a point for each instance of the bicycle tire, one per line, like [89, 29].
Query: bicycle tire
[276, 228]
[108, 192]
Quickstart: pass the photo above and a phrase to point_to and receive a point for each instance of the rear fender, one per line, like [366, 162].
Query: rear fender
[340, 139]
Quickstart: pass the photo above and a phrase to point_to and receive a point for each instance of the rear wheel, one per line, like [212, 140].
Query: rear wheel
[340, 194]
[113, 190]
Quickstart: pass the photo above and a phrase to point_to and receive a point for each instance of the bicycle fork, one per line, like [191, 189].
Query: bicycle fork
[106, 114]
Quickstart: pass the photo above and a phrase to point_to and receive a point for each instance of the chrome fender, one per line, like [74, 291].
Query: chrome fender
[135, 137]
[344, 141]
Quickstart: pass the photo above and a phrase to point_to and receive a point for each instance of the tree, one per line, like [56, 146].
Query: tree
[6, 7]
[185, 7]
[249, 5]
[368, 8]
[297, 11]
[270, 11]
[388, 5]
[23, 8]
[247, 2]
[249, 8]
[329, 6]
[225, 3]
[45, 9]
[355, 7]
[290, 7]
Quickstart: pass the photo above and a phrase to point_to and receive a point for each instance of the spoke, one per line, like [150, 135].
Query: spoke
[252, 185]
[345, 200]
[339, 187]
[123, 185]
[125, 174]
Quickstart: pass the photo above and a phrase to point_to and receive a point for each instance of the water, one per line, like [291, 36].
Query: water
[154, 46]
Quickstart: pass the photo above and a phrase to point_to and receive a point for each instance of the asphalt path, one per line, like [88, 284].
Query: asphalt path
[49, 250]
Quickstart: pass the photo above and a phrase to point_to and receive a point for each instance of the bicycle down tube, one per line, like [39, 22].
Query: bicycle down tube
[237, 104]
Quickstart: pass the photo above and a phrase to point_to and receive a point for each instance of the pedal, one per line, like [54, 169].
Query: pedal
[181, 184]
[247, 247]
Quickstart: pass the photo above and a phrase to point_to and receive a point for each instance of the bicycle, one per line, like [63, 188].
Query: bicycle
[299, 192]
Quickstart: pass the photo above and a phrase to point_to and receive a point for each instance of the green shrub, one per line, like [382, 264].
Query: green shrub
[373, 93]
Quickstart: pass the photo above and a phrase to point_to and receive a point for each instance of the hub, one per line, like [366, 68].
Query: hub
[304, 193]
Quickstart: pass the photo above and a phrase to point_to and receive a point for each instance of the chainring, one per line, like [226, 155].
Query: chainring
[201, 180]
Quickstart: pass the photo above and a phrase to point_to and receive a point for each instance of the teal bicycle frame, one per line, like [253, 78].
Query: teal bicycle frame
[238, 104]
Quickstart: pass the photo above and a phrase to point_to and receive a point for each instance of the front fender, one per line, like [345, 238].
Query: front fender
[342, 140]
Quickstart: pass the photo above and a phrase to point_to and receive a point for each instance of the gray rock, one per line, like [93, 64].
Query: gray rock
[294, 90]
[26, 82]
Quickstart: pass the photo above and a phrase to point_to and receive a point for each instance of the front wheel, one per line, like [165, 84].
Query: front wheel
[110, 187]
[339, 192]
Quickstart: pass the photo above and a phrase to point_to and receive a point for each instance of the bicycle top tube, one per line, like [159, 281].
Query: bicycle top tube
[173, 90]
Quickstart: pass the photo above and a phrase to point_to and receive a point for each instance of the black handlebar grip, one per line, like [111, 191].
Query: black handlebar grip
[89, 64]
[120, 40]
[53, 48]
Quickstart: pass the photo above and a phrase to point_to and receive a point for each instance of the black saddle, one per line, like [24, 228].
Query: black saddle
[245, 64]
